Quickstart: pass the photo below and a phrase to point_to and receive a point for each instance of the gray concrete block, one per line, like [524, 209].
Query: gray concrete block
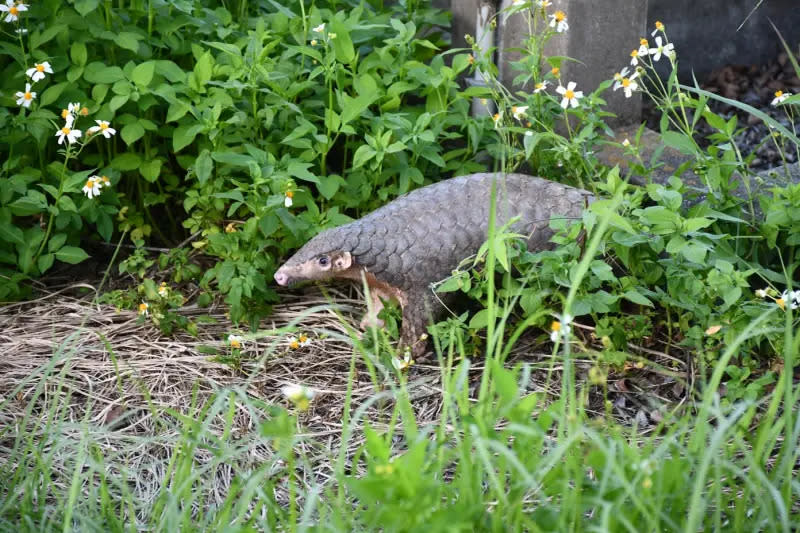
[464, 18]
[601, 36]
[706, 37]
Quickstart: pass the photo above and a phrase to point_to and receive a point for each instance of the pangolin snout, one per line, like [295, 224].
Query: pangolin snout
[281, 278]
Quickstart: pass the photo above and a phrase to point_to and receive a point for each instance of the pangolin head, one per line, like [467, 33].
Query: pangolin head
[323, 257]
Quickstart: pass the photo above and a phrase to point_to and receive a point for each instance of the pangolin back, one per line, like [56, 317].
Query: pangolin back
[420, 237]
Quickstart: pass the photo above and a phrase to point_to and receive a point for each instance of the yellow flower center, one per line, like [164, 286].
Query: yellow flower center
[289, 194]
[555, 71]
[555, 326]
[643, 42]
[14, 11]
[90, 184]
[107, 181]
[235, 343]
[560, 16]
[104, 125]
[626, 82]
[40, 67]
[781, 303]
[303, 338]
[27, 96]
[539, 85]
[64, 113]
[635, 53]
[142, 308]
[659, 25]
[778, 94]
[65, 130]
[569, 95]
[294, 345]
[84, 111]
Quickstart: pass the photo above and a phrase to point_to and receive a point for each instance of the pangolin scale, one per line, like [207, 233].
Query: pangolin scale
[421, 237]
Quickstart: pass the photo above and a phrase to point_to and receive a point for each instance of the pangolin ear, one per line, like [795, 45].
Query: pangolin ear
[343, 261]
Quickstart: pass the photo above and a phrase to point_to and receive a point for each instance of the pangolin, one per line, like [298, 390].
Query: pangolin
[400, 249]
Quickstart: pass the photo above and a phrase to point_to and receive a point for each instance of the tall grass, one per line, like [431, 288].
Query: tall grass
[504, 458]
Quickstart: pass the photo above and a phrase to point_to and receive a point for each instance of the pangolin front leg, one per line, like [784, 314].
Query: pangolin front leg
[416, 316]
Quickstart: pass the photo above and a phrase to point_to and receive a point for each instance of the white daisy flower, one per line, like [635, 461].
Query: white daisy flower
[519, 111]
[38, 71]
[667, 49]
[25, 98]
[780, 96]
[299, 395]
[570, 95]
[93, 186]
[13, 9]
[558, 20]
[104, 128]
[67, 132]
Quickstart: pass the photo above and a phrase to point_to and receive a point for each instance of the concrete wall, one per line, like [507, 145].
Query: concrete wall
[705, 36]
[600, 37]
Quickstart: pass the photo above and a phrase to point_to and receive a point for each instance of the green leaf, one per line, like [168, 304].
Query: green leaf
[65, 203]
[44, 262]
[202, 72]
[97, 72]
[203, 166]
[329, 186]
[480, 320]
[695, 252]
[268, 224]
[117, 102]
[680, 142]
[56, 242]
[171, 71]
[602, 270]
[151, 170]
[143, 73]
[99, 92]
[84, 7]
[52, 93]
[367, 91]
[132, 133]
[342, 44]
[363, 154]
[78, 53]
[127, 161]
[105, 226]
[501, 253]
[184, 135]
[12, 234]
[300, 171]
[39, 38]
[637, 298]
[177, 110]
[128, 40]
[71, 255]
[32, 203]
[696, 223]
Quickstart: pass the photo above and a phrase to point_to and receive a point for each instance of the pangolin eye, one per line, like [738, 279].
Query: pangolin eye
[323, 261]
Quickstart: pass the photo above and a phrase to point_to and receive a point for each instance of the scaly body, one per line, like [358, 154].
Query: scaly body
[403, 247]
